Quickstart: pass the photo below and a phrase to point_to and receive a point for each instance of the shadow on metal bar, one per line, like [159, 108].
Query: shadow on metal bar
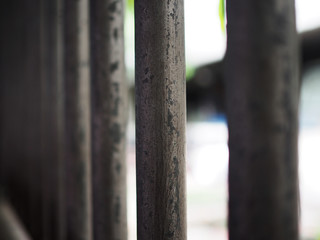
[11, 228]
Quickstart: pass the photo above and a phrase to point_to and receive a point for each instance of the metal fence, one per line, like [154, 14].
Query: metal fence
[64, 109]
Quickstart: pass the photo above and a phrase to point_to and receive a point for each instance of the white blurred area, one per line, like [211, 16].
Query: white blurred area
[309, 153]
[207, 151]
[207, 166]
[205, 40]
[307, 14]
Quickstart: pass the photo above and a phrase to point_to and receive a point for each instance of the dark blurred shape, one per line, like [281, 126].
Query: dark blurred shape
[310, 46]
[205, 91]
[207, 87]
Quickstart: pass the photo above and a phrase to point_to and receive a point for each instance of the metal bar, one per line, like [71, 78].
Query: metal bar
[59, 217]
[262, 103]
[33, 82]
[50, 141]
[160, 119]
[109, 119]
[15, 83]
[77, 120]
[25, 117]
[10, 226]
[45, 113]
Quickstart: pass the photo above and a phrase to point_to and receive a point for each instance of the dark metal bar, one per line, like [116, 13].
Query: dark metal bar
[45, 114]
[77, 119]
[15, 77]
[49, 142]
[32, 84]
[26, 89]
[109, 119]
[262, 103]
[160, 119]
[59, 215]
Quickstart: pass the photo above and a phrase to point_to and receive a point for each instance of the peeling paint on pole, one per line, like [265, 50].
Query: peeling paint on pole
[109, 119]
[262, 105]
[77, 120]
[160, 119]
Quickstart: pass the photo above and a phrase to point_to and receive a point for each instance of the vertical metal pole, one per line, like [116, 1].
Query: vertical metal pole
[77, 119]
[109, 119]
[160, 119]
[262, 101]
[3, 86]
[59, 176]
[49, 112]
[15, 105]
[44, 120]
[4, 17]
[33, 66]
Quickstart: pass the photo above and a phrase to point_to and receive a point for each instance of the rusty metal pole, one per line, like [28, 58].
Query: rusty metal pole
[262, 105]
[109, 119]
[77, 120]
[160, 119]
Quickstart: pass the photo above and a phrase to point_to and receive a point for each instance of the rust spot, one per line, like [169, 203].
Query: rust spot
[117, 209]
[113, 6]
[145, 80]
[115, 132]
[115, 34]
[115, 110]
[118, 168]
[170, 123]
[114, 66]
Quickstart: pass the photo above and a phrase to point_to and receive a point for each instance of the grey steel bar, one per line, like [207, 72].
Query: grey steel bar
[262, 105]
[160, 119]
[109, 119]
[11, 227]
[77, 118]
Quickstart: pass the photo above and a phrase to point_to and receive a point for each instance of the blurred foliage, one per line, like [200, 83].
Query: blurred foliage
[190, 71]
[130, 5]
[222, 15]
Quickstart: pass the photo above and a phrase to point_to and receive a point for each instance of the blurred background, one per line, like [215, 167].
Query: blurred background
[207, 135]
